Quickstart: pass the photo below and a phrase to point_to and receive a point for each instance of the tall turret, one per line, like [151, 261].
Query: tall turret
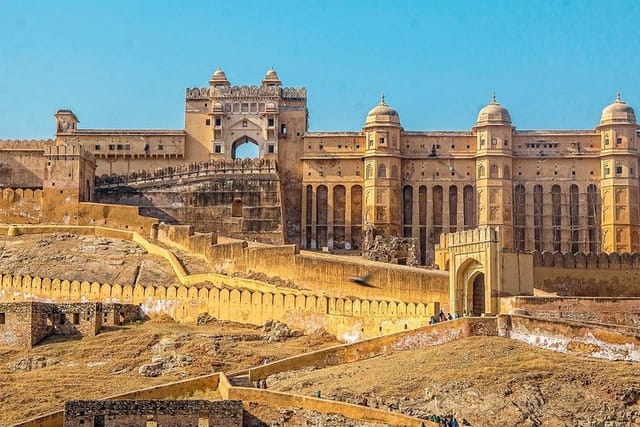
[619, 183]
[383, 169]
[494, 132]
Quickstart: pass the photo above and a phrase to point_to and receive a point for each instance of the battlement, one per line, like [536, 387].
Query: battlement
[15, 194]
[197, 93]
[272, 92]
[590, 260]
[69, 150]
[25, 144]
[477, 235]
[211, 167]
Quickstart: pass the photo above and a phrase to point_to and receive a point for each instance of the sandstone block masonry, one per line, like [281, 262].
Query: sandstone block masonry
[153, 413]
[24, 324]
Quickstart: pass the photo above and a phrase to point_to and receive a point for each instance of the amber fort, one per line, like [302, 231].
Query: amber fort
[516, 233]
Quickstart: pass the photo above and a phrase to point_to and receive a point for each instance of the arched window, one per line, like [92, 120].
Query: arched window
[574, 215]
[556, 216]
[593, 217]
[480, 171]
[236, 208]
[394, 171]
[538, 217]
[367, 171]
[519, 217]
[494, 171]
[382, 171]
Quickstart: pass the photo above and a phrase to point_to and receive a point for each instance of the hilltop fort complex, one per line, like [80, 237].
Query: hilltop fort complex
[490, 221]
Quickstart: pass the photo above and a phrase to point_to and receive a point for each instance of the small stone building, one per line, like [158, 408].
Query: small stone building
[153, 413]
[24, 324]
[115, 314]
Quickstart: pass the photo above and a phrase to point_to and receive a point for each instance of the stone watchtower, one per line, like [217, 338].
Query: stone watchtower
[619, 182]
[494, 157]
[382, 167]
[69, 178]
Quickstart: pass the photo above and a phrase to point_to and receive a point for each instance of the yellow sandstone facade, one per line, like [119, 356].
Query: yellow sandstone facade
[547, 190]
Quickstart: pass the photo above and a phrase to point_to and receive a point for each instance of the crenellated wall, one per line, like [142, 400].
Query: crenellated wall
[349, 318]
[587, 275]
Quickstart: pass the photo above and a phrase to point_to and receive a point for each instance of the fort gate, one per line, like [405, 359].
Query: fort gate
[480, 271]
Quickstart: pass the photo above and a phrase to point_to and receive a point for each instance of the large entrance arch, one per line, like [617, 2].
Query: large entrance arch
[245, 148]
[469, 288]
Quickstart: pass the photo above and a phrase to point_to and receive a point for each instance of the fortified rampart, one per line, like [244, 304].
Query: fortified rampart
[243, 198]
[568, 337]
[318, 272]
[22, 162]
[591, 274]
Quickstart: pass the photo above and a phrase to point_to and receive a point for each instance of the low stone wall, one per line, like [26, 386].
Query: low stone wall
[613, 311]
[427, 336]
[178, 413]
[571, 338]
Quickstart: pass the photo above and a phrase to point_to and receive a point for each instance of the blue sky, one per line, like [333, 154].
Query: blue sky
[125, 64]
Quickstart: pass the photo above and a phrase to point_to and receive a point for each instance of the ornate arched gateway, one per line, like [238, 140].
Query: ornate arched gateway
[480, 271]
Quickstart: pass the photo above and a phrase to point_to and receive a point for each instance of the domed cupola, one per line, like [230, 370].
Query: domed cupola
[493, 114]
[219, 78]
[382, 114]
[619, 112]
[271, 78]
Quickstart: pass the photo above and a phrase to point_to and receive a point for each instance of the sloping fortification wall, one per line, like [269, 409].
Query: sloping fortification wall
[612, 311]
[241, 198]
[317, 272]
[22, 162]
[588, 275]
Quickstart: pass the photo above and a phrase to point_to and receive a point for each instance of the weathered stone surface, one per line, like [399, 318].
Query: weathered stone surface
[177, 413]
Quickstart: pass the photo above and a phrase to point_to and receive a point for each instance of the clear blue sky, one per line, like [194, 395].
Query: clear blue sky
[125, 64]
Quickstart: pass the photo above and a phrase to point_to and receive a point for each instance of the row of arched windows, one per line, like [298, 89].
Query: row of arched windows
[557, 218]
[319, 230]
[382, 171]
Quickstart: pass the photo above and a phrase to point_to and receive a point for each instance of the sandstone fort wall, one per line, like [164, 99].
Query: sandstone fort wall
[317, 272]
[612, 311]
